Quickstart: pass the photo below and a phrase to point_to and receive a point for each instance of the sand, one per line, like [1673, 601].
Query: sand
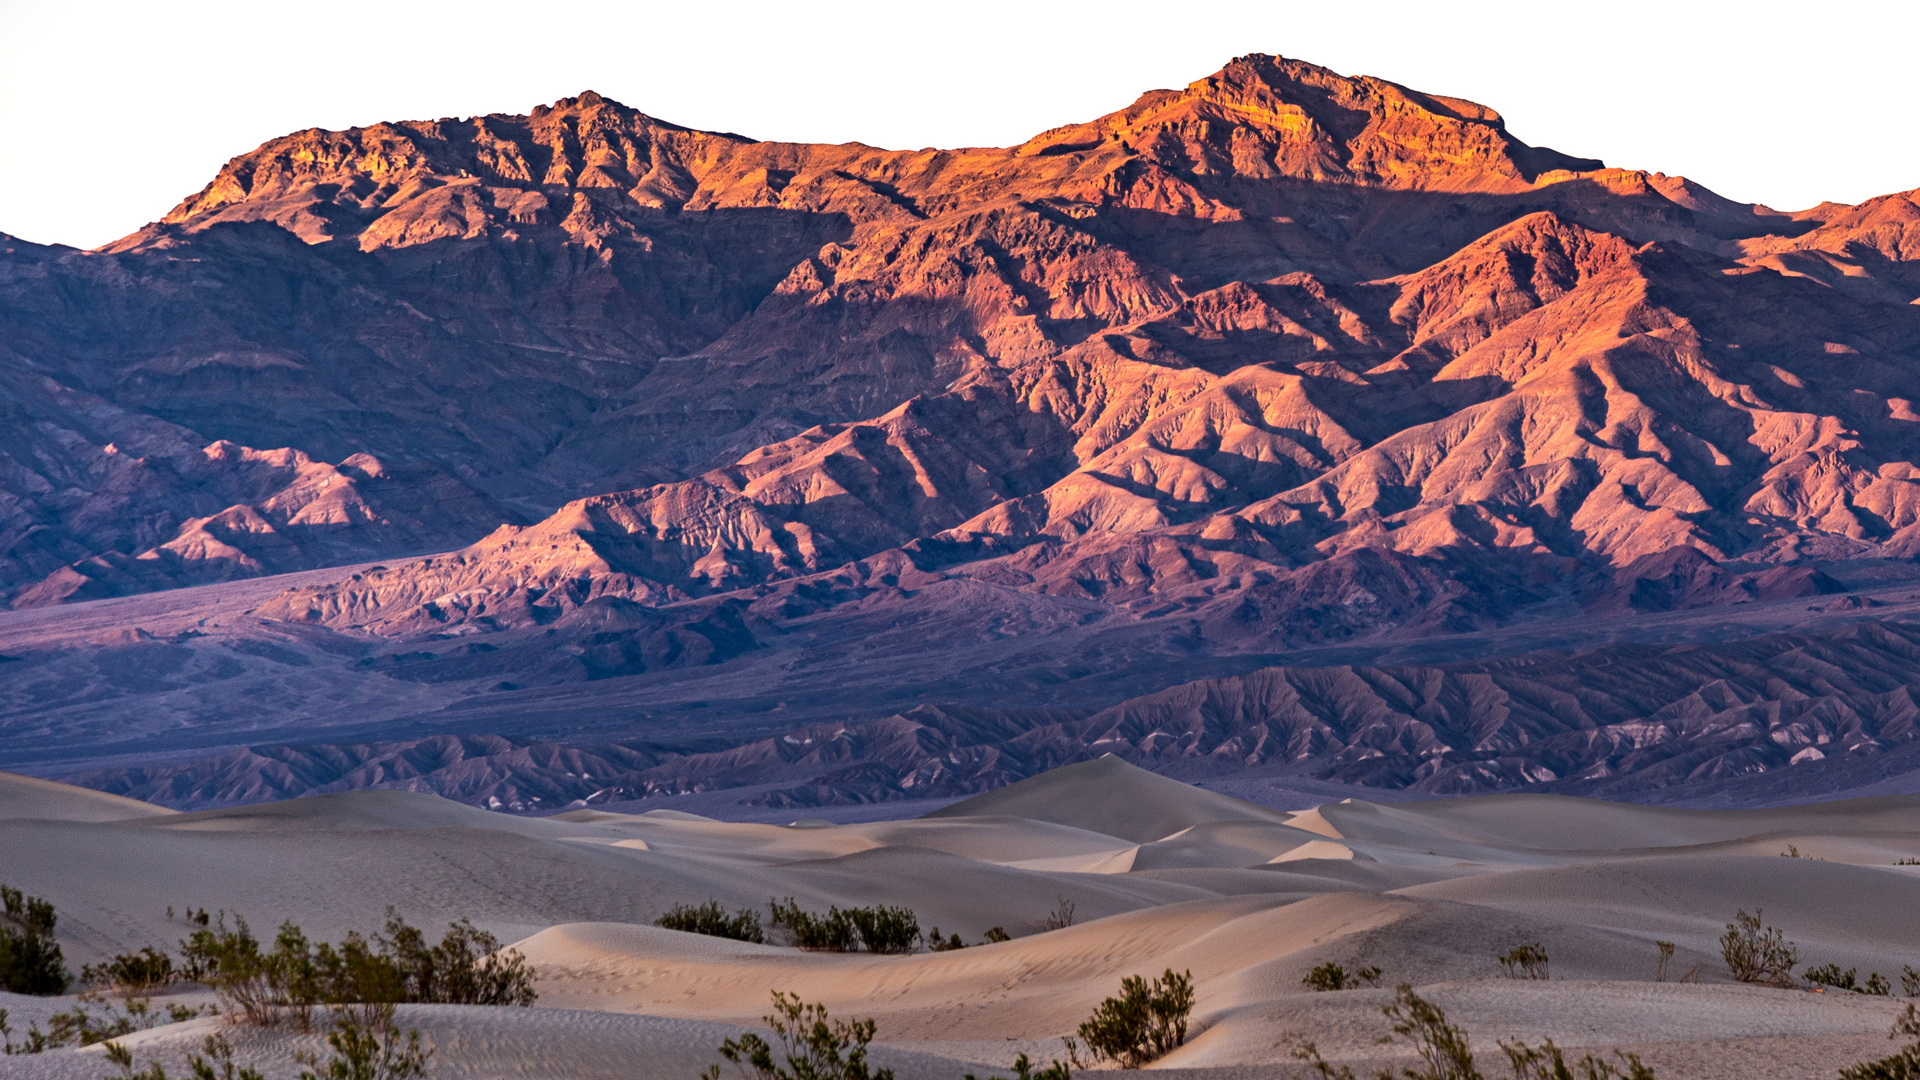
[1161, 875]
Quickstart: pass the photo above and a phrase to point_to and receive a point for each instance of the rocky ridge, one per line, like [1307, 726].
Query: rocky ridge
[1648, 722]
[1280, 361]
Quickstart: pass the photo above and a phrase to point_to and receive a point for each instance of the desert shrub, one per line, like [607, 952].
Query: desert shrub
[1331, 976]
[1666, 957]
[122, 1059]
[368, 1048]
[1830, 975]
[132, 974]
[215, 1062]
[1549, 1062]
[249, 980]
[397, 965]
[712, 920]
[1904, 1064]
[1144, 1023]
[30, 958]
[79, 1026]
[948, 943]
[995, 935]
[1909, 980]
[879, 928]
[1023, 1070]
[467, 967]
[884, 929]
[832, 932]
[1444, 1047]
[1524, 962]
[1446, 1051]
[1756, 953]
[1061, 916]
[815, 1046]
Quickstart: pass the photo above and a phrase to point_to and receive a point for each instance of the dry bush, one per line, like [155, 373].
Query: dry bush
[1061, 916]
[1446, 1051]
[1524, 962]
[1756, 953]
[1904, 1064]
[1023, 1070]
[1666, 957]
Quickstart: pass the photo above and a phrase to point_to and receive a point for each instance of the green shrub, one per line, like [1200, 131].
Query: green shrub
[248, 979]
[943, 944]
[368, 1048]
[215, 1062]
[1023, 1070]
[1331, 976]
[132, 974]
[1524, 962]
[832, 932]
[1756, 953]
[1830, 975]
[1904, 1064]
[1446, 1051]
[886, 929]
[815, 1047]
[712, 920]
[1547, 1062]
[30, 958]
[1145, 1023]
[879, 929]
[995, 935]
[466, 968]
[394, 966]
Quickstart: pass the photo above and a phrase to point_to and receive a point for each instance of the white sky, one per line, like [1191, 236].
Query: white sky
[111, 112]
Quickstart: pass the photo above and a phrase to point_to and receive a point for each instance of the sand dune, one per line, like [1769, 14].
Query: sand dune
[1161, 875]
[29, 797]
[1109, 796]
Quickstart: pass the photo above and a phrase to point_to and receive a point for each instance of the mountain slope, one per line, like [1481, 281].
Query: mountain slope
[614, 413]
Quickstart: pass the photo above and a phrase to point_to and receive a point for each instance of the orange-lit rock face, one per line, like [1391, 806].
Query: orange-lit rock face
[1199, 346]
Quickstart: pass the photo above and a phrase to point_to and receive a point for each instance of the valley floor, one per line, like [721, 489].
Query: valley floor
[1160, 874]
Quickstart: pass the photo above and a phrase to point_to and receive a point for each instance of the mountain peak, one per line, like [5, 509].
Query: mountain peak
[1268, 117]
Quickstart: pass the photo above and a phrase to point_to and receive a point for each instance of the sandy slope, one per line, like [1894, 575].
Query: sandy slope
[1162, 875]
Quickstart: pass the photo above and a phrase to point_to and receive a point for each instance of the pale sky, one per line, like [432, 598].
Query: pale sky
[111, 112]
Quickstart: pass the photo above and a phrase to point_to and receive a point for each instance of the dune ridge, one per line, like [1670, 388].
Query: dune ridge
[1430, 892]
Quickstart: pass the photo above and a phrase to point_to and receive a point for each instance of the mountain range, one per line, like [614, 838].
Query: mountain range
[588, 434]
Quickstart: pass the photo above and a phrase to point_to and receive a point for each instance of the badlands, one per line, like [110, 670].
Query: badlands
[1159, 874]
